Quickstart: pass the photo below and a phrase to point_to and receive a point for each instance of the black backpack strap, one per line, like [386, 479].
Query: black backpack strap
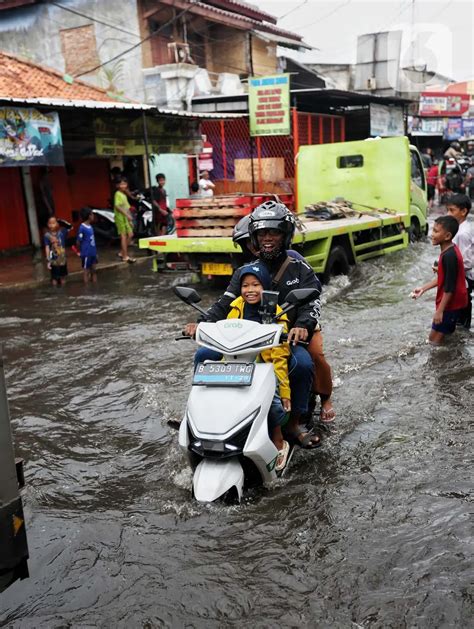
[281, 271]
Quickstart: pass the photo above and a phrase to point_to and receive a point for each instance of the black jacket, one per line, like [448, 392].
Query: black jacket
[298, 274]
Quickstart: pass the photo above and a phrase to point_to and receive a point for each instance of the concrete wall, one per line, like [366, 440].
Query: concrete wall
[35, 32]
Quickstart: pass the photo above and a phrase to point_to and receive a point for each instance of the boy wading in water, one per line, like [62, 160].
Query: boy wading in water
[123, 219]
[459, 206]
[451, 296]
[87, 246]
[255, 278]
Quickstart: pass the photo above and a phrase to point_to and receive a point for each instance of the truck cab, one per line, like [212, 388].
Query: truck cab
[381, 173]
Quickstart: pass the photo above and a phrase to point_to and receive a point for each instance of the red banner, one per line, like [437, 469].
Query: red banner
[443, 104]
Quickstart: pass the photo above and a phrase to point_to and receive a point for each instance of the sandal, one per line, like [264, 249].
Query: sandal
[310, 441]
[327, 415]
[282, 458]
[129, 260]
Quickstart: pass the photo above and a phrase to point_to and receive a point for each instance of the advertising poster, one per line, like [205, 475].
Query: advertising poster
[386, 121]
[269, 105]
[468, 128]
[452, 129]
[425, 126]
[442, 104]
[29, 137]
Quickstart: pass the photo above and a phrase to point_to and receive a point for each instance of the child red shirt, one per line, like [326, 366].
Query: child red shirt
[451, 279]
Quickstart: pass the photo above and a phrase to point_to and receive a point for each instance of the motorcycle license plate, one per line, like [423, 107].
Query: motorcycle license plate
[224, 374]
[215, 268]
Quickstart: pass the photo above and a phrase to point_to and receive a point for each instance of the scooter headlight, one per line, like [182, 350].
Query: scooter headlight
[230, 446]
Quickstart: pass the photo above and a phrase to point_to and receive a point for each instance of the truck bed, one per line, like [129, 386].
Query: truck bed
[315, 230]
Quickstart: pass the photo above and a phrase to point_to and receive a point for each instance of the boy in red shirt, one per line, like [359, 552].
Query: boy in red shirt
[451, 296]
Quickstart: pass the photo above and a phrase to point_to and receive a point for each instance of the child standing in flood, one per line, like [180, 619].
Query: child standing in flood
[87, 246]
[451, 295]
[55, 250]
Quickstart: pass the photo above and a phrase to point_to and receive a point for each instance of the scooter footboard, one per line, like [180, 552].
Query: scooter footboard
[212, 478]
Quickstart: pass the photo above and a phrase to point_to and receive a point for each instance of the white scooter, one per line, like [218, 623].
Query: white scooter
[224, 432]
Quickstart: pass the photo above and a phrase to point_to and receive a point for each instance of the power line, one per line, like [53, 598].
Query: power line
[142, 41]
[293, 10]
[93, 19]
[319, 20]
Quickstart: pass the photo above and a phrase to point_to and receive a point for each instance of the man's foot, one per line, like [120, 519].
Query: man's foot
[282, 457]
[306, 440]
[327, 414]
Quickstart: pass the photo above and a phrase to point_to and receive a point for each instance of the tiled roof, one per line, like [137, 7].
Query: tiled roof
[261, 25]
[244, 8]
[21, 78]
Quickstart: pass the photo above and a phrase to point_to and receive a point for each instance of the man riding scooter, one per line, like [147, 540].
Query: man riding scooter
[271, 230]
[322, 384]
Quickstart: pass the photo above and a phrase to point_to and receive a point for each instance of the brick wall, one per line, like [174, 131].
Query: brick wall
[79, 49]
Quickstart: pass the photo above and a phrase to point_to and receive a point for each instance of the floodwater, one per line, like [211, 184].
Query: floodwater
[372, 530]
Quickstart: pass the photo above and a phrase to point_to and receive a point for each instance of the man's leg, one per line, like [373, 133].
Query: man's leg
[300, 370]
[203, 353]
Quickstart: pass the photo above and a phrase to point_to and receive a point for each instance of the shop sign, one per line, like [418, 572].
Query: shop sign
[29, 137]
[425, 126]
[205, 157]
[269, 105]
[452, 129]
[443, 104]
[386, 121]
[119, 136]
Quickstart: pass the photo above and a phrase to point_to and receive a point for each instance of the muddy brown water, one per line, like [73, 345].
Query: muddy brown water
[373, 530]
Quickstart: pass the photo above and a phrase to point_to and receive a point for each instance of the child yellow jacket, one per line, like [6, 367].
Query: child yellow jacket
[276, 355]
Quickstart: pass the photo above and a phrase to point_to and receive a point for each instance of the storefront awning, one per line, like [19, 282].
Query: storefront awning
[112, 105]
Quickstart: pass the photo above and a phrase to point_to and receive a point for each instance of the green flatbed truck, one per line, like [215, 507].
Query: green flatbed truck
[383, 180]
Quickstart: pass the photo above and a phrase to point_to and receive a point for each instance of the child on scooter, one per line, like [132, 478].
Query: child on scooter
[254, 278]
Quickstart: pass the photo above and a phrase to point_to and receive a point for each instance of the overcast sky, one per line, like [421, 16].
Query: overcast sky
[445, 29]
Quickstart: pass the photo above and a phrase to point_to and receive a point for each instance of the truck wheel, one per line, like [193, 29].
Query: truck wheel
[337, 264]
[414, 231]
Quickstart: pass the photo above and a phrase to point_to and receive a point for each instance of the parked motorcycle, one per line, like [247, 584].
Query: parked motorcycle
[105, 228]
[224, 433]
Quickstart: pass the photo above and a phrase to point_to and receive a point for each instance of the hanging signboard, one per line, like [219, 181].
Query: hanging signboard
[120, 136]
[269, 105]
[443, 104]
[386, 121]
[425, 126]
[29, 137]
[452, 129]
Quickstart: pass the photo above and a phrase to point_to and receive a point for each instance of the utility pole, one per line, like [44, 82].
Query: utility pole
[252, 141]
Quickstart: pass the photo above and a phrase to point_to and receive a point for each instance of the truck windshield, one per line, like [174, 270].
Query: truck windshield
[417, 170]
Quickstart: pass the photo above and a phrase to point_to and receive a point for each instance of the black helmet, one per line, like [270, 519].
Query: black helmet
[272, 215]
[241, 230]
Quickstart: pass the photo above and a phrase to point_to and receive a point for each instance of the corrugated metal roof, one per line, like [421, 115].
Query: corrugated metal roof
[111, 105]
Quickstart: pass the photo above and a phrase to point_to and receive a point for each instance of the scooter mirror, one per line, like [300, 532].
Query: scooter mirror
[301, 296]
[188, 295]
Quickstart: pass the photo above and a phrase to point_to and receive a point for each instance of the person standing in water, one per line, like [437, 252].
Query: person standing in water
[123, 219]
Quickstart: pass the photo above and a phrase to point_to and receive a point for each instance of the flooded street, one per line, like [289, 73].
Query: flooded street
[372, 530]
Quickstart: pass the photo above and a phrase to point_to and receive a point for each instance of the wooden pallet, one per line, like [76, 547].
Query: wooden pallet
[227, 212]
[190, 223]
[209, 232]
